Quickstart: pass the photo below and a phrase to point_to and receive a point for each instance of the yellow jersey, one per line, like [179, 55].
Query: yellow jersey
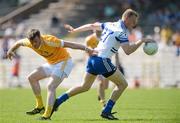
[92, 41]
[50, 49]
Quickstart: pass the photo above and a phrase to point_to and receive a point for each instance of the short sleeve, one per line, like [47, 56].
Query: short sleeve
[25, 42]
[106, 25]
[102, 25]
[121, 37]
[53, 41]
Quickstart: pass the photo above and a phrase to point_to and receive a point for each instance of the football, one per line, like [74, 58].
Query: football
[150, 48]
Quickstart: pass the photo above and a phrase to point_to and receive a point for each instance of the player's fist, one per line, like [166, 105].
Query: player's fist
[10, 55]
[91, 52]
[68, 27]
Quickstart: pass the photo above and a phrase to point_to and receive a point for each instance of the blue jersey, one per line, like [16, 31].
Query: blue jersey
[113, 35]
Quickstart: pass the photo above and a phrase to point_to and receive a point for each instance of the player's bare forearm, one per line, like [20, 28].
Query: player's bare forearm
[130, 48]
[74, 45]
[80, 47]
[83, 28]
[134, 47]
[86, 27]
[14, 47]
[10, 52]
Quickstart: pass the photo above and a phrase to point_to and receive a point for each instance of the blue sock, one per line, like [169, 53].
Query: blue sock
[62, 98]
[109, 106]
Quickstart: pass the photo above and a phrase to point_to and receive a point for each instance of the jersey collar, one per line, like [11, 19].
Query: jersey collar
[122, 25]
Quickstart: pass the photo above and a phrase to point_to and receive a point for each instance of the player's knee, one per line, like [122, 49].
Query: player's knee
[50, 87]
[85, 88]
[122, 85]
[125, 85]
[31, 78]
[101, 84]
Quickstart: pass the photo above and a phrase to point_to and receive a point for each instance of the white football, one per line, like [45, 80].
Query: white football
[150, 48]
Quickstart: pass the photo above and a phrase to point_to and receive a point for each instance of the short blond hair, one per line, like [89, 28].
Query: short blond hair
[129, 13]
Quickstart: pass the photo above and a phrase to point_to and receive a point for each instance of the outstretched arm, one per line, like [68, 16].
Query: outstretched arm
[86, 27]
[62, 43]
[11, 51]
[79, 46]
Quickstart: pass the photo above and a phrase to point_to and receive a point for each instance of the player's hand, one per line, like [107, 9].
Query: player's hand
[91, 52]
[10, 55]
[69, 28]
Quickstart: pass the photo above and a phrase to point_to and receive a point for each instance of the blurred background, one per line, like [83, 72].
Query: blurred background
[159, 19]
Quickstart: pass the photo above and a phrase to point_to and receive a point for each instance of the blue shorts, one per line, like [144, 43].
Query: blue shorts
[100, 66]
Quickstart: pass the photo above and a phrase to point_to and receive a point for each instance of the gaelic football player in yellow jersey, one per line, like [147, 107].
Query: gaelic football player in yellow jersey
[58, 66]
[92, 40]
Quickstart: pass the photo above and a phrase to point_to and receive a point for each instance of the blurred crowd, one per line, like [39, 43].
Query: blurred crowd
[160, 20]
[159, 13]
[12, 33]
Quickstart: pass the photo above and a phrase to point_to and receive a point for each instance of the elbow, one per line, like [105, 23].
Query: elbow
[91, 26]
[127, 52]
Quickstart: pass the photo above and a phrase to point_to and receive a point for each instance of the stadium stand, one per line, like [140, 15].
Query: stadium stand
[161, 70]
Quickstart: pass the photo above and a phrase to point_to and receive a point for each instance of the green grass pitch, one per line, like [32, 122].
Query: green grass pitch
[135, 106]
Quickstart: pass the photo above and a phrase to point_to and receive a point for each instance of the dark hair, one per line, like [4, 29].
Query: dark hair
[33, 33]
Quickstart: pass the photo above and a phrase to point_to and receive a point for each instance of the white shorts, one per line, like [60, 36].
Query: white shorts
[61, 69]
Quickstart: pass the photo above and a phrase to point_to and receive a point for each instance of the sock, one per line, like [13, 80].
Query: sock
[109, 106]
[62, 99]
[103, 102]
[39, 101]
[48, 111]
